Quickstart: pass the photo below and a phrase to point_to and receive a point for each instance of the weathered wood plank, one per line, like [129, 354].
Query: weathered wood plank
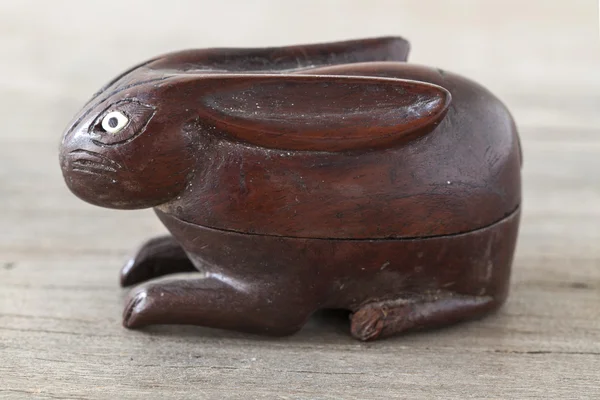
[60, 308]
[60, 304]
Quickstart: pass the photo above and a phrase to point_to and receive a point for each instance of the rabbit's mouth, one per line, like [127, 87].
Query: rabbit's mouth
[92, 163]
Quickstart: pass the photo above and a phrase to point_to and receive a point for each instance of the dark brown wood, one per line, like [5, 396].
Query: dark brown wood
[157, 257]
[302, 178]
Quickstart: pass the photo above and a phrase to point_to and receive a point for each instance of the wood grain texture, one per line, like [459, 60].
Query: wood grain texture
[60, 305]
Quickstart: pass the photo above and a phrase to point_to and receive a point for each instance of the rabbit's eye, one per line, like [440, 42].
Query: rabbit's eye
[114, 121]
[121, 122]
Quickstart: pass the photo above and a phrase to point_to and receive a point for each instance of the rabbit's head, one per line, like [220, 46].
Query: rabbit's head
[128, 147]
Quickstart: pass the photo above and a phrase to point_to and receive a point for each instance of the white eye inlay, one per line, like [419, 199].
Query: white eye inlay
[114, 121]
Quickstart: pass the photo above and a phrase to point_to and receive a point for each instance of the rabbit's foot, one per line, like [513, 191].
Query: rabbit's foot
[386, 318]
[157, 257]
[218, 302]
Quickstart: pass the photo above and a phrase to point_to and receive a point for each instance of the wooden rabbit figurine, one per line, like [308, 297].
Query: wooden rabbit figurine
[302, 178]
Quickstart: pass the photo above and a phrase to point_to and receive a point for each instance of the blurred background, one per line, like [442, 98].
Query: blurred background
[64, 50]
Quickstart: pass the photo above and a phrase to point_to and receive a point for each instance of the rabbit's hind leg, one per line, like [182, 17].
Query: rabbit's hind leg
[386, 318]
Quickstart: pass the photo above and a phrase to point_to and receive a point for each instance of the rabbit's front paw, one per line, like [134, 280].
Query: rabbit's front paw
[157, 257]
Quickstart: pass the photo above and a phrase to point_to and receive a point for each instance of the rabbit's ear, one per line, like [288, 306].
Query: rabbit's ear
[275, 59]
[322, 113]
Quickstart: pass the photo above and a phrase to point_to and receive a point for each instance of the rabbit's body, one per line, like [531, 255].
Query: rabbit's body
[387, 189]
[460, 177]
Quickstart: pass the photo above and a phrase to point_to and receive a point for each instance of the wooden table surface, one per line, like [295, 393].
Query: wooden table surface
[60, 303]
